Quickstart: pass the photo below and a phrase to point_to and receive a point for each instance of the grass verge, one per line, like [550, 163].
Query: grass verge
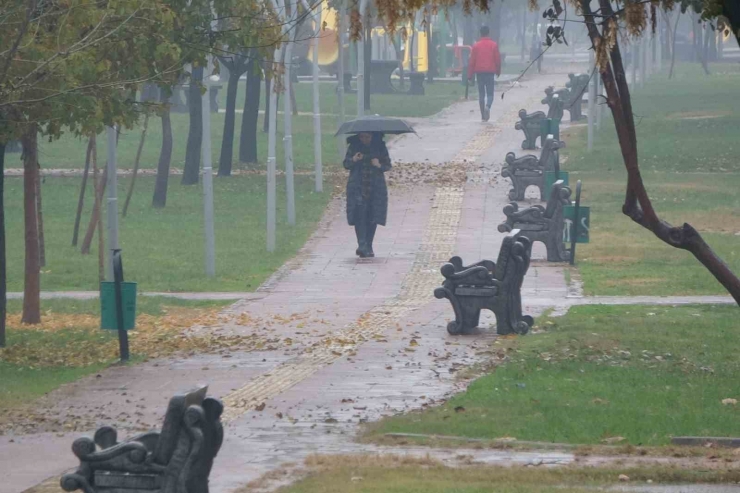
[368, 474]
[631, 375]
[69, 152]
[687, 142]
[163, 248]
[69, 343]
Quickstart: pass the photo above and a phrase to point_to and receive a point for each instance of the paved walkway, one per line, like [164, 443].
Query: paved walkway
[352, 340]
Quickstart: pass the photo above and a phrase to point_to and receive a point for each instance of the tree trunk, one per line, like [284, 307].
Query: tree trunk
[673, 43]
[159, 200]
[432, 39]
[195, 132]
[637, 205]
[707, 33]
[136, 165]
[399, 57]
[495, 18]
[40, 223]
[81, 200]
[3, 260]
[412, 44]
[248, 138]
[699, 44]
[236, 68]
[99, 188]
[293, 103]
[32, 285]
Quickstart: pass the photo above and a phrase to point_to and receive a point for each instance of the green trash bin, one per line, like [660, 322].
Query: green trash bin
[108, 305]
[550, 178]
[584, 219]
[549, 126]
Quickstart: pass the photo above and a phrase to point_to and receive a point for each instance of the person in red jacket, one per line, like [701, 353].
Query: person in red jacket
[484, 63]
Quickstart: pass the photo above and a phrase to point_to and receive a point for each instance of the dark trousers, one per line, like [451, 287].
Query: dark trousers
[485, 91]
[365, 228]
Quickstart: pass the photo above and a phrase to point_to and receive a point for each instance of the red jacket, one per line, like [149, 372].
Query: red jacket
[484, 58]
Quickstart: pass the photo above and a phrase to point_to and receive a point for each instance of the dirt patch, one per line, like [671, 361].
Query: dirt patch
[716, 221]
[703, 187]
[642, 281]
[698, 115]
[614, 259]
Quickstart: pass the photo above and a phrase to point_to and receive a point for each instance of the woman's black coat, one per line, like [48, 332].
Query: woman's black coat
[377, 195]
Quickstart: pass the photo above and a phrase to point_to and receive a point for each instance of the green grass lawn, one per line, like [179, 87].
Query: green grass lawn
[369, 474]
[688, 147]
[438, 96]
[638, 372]
[28, 364]
[69, 152]
[163, 250]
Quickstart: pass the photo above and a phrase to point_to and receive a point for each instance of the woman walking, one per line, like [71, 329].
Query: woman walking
[367, 160]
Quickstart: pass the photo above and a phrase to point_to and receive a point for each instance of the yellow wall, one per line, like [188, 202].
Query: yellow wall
[420, 47]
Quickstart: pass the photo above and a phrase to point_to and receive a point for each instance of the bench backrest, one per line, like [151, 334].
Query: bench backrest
[577, 85]
[173, 423]
[513, 257]
[559, 196]
[556, 107]
[549, 157]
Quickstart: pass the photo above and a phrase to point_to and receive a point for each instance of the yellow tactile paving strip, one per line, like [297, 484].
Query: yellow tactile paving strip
[436, 248]
[416, 290]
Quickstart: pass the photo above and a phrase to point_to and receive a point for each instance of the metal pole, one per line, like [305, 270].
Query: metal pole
[368, 44]
[288, 119]
[576, 221]
[635, 56]
[316, 107]
[112, 208]
[443, 47]
[340, 88]
[523, 52]
[361, 65]
[650, 44]
[117, 263]
[659, 46]
[591, 98]
[205, 152]
[272, 144]
[271, 161]
[643, 61]
[597, 99]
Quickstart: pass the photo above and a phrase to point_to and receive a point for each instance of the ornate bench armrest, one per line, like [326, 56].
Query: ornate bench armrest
[84, 449]
[527, 162]
[473, 274]
[459, 267]
[534, 214]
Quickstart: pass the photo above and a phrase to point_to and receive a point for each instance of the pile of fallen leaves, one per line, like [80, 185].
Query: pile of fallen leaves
[449, 174]
[76, 340]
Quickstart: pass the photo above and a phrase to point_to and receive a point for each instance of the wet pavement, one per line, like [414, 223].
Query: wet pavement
[353, 340]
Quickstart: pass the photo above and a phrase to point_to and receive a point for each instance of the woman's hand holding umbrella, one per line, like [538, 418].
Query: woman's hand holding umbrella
[357, 157]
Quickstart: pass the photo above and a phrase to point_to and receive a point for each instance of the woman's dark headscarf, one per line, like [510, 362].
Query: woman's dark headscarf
[355, 139]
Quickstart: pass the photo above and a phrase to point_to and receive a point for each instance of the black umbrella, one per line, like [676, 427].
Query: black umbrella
[375, 123]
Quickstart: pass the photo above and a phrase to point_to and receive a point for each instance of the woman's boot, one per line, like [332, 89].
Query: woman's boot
[369, 237]
[360, 232]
